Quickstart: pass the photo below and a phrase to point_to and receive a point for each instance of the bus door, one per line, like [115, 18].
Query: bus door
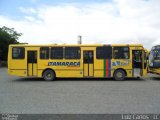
[88, 66]
[137, 63]
[32, 63]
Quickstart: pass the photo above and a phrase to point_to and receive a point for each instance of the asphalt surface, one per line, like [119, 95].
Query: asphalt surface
[30, 95]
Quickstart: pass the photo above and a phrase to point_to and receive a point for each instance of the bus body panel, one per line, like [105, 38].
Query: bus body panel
[16, 67]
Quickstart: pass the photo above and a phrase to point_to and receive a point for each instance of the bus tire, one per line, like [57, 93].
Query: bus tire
[119, 75]
[49, 75]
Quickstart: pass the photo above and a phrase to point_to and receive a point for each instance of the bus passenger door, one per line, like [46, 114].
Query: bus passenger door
[88, 59]
[32, 63]
[137, 63]
[145, 63]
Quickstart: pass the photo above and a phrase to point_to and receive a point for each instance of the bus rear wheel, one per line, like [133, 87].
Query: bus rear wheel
[48, 75]
[119, 75]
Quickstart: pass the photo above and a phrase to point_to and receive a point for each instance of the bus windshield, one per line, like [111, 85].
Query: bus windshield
[154, 57]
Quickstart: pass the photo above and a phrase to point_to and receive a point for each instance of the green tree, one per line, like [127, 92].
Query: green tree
[7, 36]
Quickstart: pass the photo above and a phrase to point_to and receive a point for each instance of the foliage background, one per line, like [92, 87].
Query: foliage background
[7, 36]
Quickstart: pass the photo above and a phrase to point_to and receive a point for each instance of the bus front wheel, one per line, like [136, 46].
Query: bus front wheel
[119, 75]
[48, 75]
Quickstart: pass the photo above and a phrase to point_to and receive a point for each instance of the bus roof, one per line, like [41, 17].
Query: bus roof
[156, 46]
[38, 45]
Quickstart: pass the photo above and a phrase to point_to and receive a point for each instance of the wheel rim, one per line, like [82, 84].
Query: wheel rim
[48, 75]
[119, 75]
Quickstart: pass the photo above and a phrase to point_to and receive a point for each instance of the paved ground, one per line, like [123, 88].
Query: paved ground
[28, 95]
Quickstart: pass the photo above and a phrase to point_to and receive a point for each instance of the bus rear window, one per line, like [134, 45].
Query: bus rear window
[44, 53]
[121, 52]
[18, 53]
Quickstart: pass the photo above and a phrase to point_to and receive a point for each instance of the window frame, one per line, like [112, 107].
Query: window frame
[23, 57]
[123, 51]
[72, 47]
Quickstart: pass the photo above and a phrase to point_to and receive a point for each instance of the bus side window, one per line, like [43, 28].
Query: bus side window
[72, 53]
[57, 53]
[121, 52]
[44, 53]
[104, 52]
[18, 53]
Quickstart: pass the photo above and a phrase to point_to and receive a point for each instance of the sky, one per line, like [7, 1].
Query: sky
[97, 21]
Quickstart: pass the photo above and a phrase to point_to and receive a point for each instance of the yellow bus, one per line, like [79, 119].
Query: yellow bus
[154, 60]
[77, 61]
